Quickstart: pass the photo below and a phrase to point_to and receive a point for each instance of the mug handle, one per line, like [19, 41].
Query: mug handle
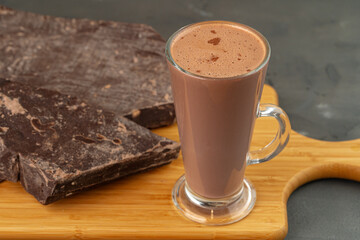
[281, 139]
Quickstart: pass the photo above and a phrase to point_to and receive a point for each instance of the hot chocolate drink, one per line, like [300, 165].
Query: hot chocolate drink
[217, 71]
[217, 74]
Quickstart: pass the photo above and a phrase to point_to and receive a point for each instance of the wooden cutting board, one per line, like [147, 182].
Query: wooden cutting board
[140, 206]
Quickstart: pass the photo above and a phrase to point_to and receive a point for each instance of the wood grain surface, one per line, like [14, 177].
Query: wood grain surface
[140, 206]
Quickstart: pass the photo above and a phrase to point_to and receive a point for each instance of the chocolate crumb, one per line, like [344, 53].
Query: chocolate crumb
[214, 58]
[198, 71]
[213, 31]
[214, 41]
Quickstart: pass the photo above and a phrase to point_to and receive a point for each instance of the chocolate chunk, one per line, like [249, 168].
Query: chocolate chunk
[214, 41]
[214, 58]
[102, 62]
[58, 145]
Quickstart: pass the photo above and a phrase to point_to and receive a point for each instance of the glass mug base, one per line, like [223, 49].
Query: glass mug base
[213, 211]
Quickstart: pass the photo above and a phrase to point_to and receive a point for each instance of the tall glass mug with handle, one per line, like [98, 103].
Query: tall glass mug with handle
[217, 72]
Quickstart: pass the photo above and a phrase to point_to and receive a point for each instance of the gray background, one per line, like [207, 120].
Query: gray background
[314, 67]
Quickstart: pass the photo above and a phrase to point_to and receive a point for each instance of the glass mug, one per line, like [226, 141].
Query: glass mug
[215, 117]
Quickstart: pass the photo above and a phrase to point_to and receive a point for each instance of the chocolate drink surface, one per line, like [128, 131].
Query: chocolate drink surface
[217, 75]
[218, 50]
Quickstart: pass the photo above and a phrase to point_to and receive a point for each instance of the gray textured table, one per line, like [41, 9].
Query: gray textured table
[314, 68]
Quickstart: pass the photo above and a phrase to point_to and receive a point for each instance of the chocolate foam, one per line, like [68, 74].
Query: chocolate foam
[218, 50]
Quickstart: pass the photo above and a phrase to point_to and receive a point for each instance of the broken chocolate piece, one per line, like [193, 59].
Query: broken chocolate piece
[59, 145]
[102, 62]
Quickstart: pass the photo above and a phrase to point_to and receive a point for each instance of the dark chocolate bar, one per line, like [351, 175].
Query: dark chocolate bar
[120, 67]
[58, 145]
